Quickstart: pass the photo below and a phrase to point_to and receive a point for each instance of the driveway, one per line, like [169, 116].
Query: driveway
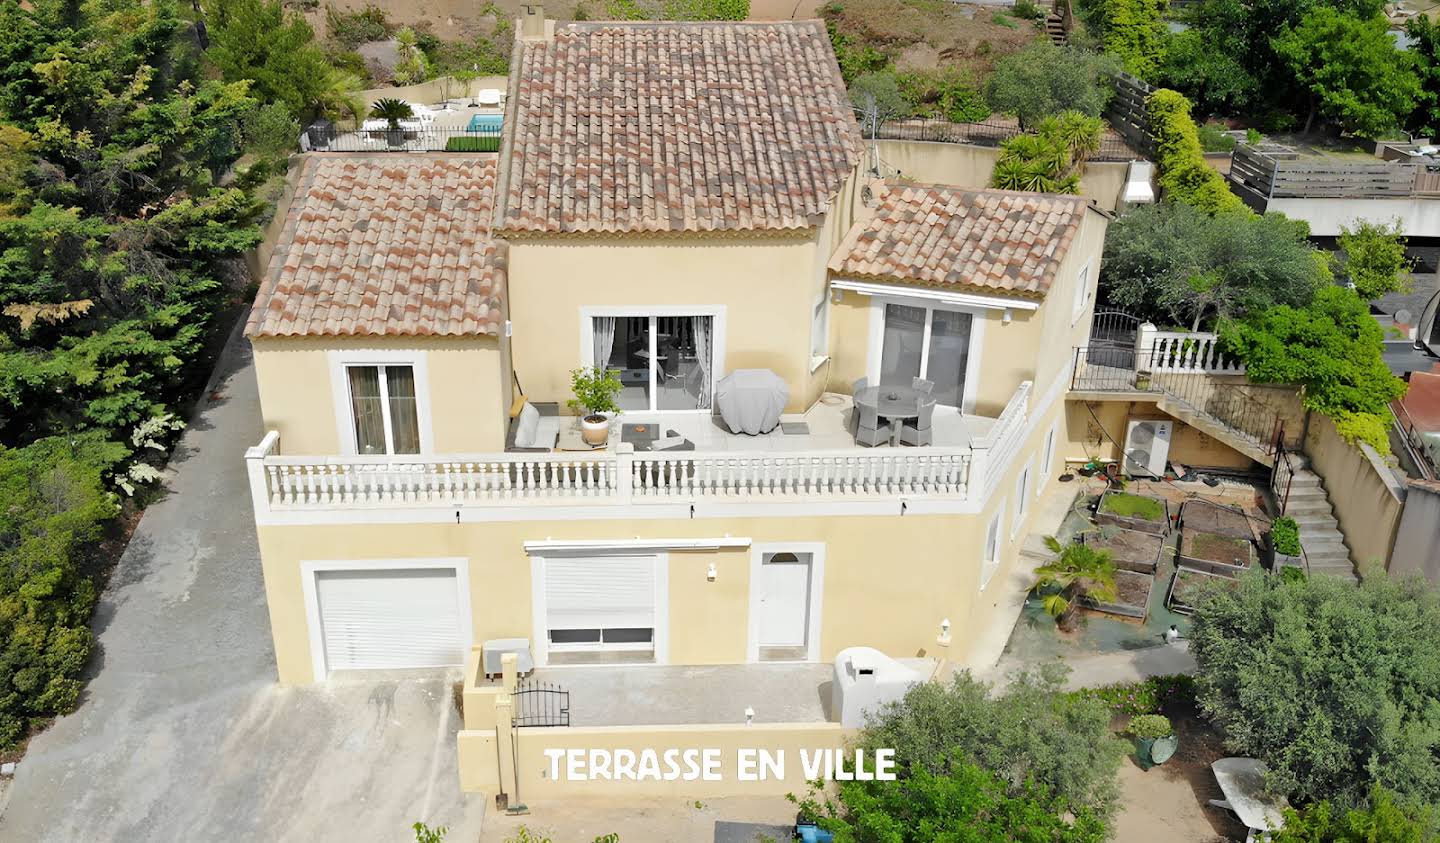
[182, 733]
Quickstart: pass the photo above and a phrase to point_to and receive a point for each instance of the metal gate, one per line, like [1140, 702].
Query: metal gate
[1283, 474]
[540, 704]
[1112, 339]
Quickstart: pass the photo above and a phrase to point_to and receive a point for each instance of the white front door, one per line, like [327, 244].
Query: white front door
[783, 600]
[383, 619]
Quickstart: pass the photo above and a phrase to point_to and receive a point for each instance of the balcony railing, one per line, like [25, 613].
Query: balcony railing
[624, 478]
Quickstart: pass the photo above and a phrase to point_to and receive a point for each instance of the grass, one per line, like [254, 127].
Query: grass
[1002, 19]
[483, 143]
[1132, 506]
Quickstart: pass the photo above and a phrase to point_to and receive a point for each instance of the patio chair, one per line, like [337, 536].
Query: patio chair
[923, 385]
[858, 387]
[868, 430]
[918, 430]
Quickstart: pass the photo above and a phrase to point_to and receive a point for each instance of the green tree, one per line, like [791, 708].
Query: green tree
[1336, 687]
[1132, 30]
[1383, 820]
[1060, 744]
[1424, 37]
[1172, 264]
[1332, 348]
[1044, 80]
[877, 98]
[276, 50]
[1184, 175]
[1211, 74]
[1372, 258]
[1352, 69]
[1052, 158]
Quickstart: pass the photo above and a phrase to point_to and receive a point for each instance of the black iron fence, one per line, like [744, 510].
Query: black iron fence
[989, 133]
[410, 136]
[540, 704]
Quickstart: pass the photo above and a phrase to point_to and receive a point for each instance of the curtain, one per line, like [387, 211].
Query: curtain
[604, 331]
[366, 410]
[404, 419]
[700, 327]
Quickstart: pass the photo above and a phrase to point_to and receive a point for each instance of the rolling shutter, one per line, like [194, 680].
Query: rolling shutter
[373, 620]
[600, 592]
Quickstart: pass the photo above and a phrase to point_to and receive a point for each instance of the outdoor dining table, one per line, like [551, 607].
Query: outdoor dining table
[895, 403]
[1242, 780]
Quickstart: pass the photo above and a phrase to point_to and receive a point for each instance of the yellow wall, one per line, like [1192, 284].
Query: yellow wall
[1367, 498]
[468, 390]
[1188, 446]
[970, 166]
[767, 286]
[478, 758]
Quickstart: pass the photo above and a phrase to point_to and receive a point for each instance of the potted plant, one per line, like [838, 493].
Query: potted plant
[1285, 539]
[1155, 739]
[595, 391]
[1078, 571]
[392, 111]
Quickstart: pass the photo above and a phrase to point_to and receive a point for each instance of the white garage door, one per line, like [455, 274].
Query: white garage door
[379, 619]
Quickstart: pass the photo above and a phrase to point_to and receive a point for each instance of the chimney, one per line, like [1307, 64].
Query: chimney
[533, 26]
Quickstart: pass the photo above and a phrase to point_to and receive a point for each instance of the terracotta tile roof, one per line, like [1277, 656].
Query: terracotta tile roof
[386, 245]
[625, 127]
[947, 236]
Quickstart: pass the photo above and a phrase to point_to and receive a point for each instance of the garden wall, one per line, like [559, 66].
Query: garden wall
[964, 165]
[1366, 495]
[434, 90]
[1418, 535]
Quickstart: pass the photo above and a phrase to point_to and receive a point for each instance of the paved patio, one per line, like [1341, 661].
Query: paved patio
[826, 427]
[667, 695]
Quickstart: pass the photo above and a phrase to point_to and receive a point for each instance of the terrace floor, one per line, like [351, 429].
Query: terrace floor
[825, 426]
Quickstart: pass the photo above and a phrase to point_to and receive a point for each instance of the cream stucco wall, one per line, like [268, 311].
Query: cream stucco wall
[1096, 426]
[766, 286]
[465, 391]
[1367, 497]
[970, 166]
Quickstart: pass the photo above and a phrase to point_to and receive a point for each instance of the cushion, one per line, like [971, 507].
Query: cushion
[527, 425]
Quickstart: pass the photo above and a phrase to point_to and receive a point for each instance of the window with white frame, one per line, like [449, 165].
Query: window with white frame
[1022, 498]
[663, 362]
[1083, 292]
[819, 329]
[991, 561]
[1049, 455]
[383, 409]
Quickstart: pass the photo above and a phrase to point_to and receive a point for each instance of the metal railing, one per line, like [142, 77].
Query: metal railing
[411, 137]
[1234, 406]
[989, 133]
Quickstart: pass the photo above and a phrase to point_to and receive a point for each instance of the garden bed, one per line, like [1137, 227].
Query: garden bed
[1210, 517]
[1133, 512]
[1187, 584]
[1132, 550]
[1218, 554]
[1132, 596]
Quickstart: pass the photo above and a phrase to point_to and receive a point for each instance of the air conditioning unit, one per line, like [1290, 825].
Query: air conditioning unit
[1147, 447]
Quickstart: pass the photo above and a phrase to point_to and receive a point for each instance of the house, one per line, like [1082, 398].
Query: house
[677, 202]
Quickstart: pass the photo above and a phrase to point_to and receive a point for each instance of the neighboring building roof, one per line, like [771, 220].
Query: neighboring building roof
[1421, 401]
[386, 245]
[666, 127]
[950, 236]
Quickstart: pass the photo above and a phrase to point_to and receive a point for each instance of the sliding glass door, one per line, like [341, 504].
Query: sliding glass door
[664, 362]
[927, 342]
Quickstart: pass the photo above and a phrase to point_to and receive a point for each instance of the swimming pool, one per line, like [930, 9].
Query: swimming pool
[485, 124]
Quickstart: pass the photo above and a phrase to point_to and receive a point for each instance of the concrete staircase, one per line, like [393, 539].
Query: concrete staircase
[1320, 535]
[1055, 28]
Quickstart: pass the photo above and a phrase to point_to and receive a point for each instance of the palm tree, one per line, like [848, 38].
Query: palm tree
[1077, 571]
[392, 111]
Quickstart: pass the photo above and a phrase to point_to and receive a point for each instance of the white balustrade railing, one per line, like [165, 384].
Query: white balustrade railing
[1005, 438]
[282, 482]
[1173, 351]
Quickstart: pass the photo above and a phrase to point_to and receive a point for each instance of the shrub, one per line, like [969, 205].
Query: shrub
[1372, 258]
[1336, 687]
[1285, 536]
[1371, 428]
[1029, 10]
[1044, 80]
[946, 92]
[1184, 175]
[351, 29]
[1002, 19]
[1150, 727]
[1147, 697]
[1382, 820]
[706, 9]
[1253, 136]
[1214, 138]
[1132, 30]
[477, 143]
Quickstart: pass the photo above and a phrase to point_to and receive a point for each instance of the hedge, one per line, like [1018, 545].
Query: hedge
[1184, 175]
[481, 143]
